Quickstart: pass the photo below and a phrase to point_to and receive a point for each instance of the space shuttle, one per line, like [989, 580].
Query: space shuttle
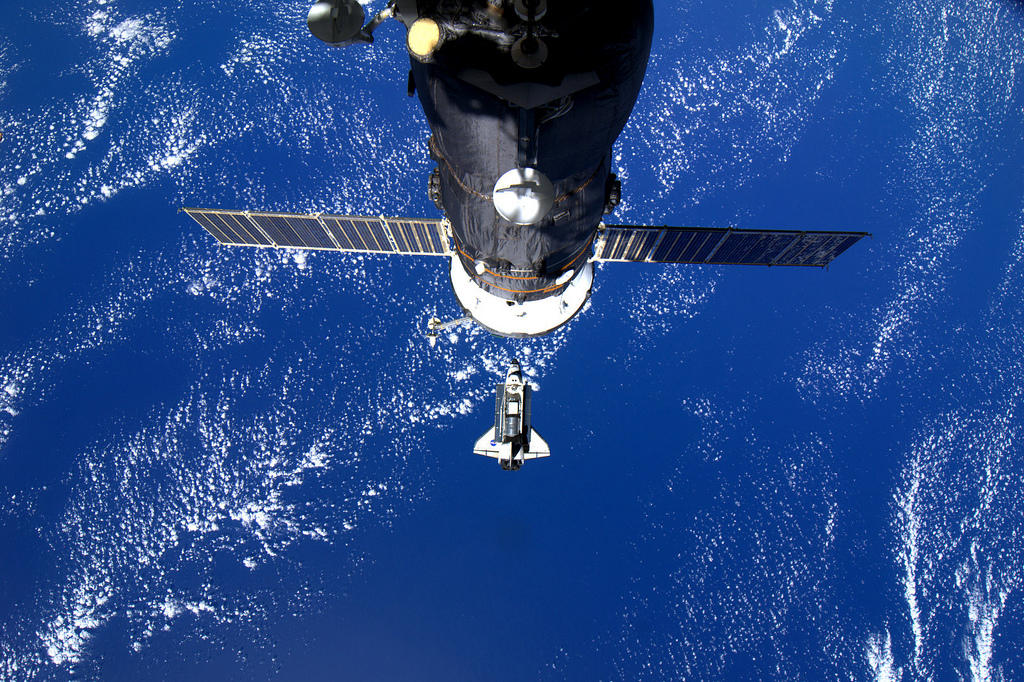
[524, 100]
[513, 440]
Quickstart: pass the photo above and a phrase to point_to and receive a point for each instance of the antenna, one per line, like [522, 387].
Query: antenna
[339, 23]
[436, 325]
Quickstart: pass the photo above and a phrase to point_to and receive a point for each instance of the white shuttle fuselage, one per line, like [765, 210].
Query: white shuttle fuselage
[513, 439]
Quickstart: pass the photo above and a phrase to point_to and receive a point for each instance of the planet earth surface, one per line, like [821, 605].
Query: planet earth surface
[224, 463]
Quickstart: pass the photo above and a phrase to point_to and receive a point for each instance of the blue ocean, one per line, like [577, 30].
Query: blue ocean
[247, 464]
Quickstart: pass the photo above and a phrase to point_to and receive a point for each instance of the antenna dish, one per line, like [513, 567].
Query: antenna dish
[337, 22]
[523, 196]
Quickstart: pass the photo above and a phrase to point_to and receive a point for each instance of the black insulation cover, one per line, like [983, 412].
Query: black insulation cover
[487, 115]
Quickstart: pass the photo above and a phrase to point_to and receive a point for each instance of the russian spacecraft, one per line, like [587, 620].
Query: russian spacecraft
[524, 100]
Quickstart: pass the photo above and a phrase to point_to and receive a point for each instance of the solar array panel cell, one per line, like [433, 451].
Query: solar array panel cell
[629, 243]
[687, 246]
[356, 233]
[230, 227]
[752, 248]
[415, 236]
[299, 231]
[718, 246]
[331, 232]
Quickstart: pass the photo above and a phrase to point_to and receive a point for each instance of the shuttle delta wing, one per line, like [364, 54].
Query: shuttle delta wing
[538, 446]
[486, 446]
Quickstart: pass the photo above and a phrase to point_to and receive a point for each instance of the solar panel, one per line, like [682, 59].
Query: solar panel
[414, 236]
[364, 234]
[629, 244]
[358, 233]
[231, 228]
[721, 246]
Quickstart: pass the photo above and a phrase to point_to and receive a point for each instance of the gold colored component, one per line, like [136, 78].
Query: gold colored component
[423, 37]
